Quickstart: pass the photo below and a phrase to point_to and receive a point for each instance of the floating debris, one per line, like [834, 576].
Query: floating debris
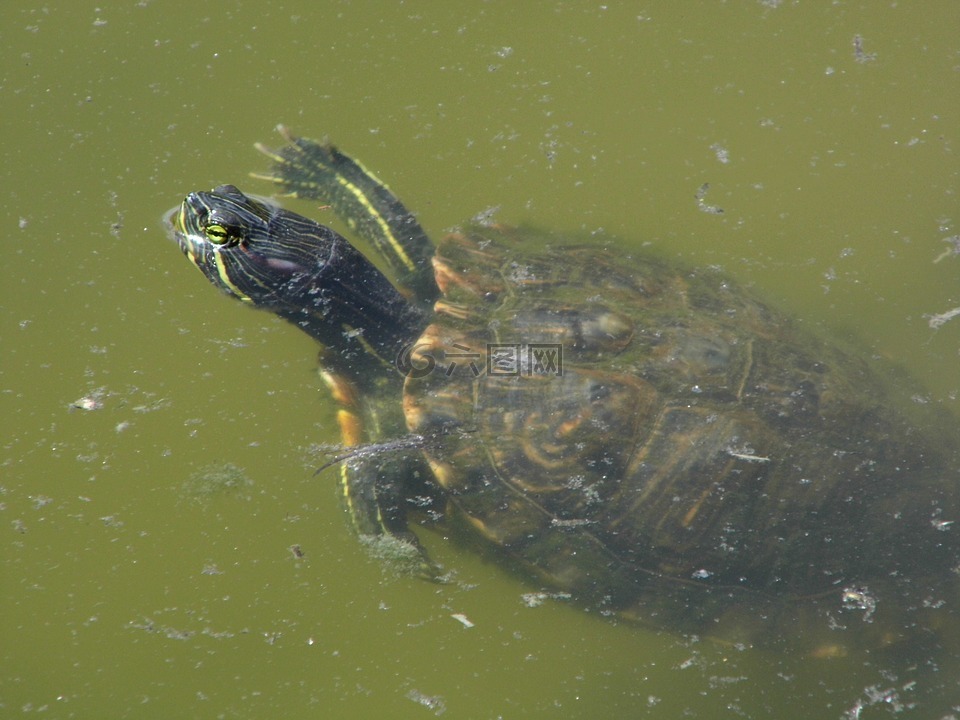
[536, 599]
[702, 205]
[721, 153]
[433, 702]
[747, 454]
[860, 598]
[39, 501]
[935, 321]
[486, 217]
[954, 249]
[889, 698]
[858, 53]
[92, 401]
[462, 619]
[225, 479]
[173, 633]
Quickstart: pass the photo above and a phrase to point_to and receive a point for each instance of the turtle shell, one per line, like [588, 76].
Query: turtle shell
[624, 426]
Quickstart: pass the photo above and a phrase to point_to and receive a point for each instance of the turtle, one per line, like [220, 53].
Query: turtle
[647, 438]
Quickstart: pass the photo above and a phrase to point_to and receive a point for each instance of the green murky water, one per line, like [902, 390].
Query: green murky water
[136, 582]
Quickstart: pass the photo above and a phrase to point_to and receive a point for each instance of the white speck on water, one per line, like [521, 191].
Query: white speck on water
[721, 153]
[935, 321]
[433, 702]
[462, 619]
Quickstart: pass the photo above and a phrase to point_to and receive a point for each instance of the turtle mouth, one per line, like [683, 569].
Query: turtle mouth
[173, 221]
[176, 223]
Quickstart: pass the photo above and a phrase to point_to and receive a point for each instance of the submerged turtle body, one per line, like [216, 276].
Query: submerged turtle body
[653, 440]
[689, 442]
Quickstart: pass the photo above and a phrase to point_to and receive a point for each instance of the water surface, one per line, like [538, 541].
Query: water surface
[133, 583]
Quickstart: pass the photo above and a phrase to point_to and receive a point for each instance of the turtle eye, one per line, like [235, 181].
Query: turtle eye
[217, 234]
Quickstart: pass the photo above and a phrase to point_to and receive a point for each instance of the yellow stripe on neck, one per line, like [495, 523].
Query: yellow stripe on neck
[225, 278]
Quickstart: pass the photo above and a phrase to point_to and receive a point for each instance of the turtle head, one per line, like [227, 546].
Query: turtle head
[249, 247]
[276, 260]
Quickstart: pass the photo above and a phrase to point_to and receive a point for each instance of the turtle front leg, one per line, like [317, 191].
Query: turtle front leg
[379, 483]
[374, 491]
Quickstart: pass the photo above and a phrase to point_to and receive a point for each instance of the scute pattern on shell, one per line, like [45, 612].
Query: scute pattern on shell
[696, 438]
